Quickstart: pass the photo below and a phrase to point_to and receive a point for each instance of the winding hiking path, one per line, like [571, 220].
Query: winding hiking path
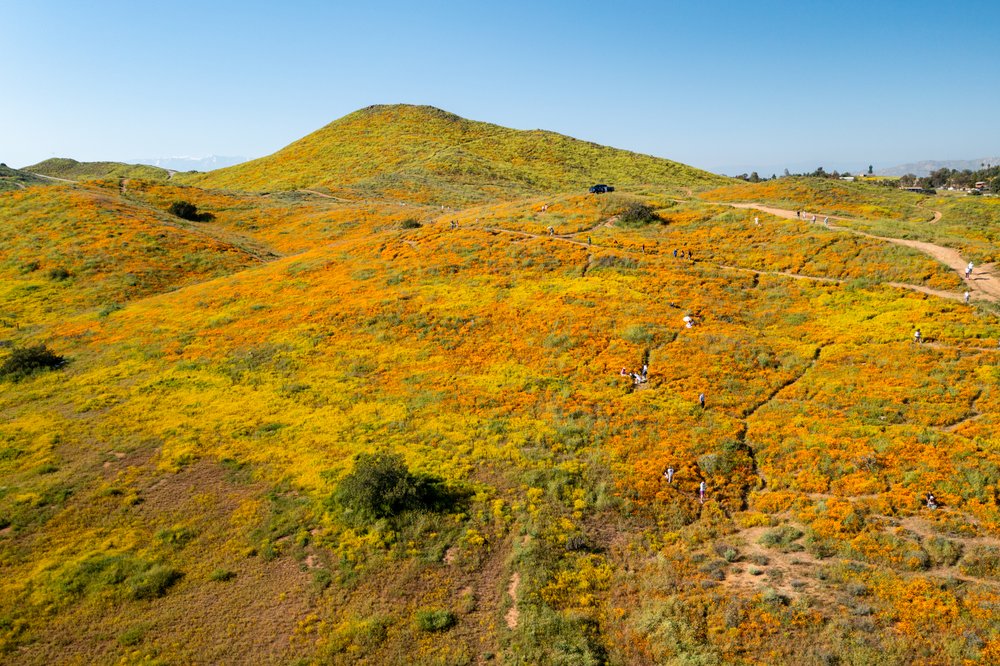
[984, 281]
[568, 238]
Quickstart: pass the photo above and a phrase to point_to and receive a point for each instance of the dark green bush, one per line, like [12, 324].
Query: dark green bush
[24, 361]
[636, 214]
[381, 486]
[435, 620]
[189, 211]
[58, 274]
[411, 223]
[783, 538]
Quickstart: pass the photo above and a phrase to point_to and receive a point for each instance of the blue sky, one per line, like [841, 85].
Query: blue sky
[720, 85]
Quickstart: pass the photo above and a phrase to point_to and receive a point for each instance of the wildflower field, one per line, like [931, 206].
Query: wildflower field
[315, 430]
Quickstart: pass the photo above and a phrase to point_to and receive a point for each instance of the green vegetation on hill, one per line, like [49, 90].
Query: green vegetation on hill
[15, 179]
[68, 169]
[420, 153]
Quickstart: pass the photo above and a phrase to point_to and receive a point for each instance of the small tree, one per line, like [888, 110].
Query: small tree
[24, 361]
[381, 486]
[189, 211]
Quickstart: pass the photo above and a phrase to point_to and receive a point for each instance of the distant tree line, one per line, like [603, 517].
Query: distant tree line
[963, 179]
[820, 172]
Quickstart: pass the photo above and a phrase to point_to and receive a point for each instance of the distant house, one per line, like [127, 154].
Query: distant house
[847, 178]
[981, 185]
[918, 190]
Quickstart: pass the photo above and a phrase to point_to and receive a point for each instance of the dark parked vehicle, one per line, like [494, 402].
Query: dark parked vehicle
[601, 188]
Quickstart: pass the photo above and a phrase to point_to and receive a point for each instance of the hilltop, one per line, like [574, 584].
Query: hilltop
[420, 153]
[65, 168]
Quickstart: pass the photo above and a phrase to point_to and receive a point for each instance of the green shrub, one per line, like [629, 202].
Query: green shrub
[381, 486]
[221, 575]
[982, 561]
[189, 211]
[636, 214]
[58, 274]
[153, 583]
[435, 620]
[410, 223]
[943, 552]
[782, 538]
[24, 361]
[132, 635]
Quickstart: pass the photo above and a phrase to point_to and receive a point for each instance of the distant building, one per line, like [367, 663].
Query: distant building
[981, 185]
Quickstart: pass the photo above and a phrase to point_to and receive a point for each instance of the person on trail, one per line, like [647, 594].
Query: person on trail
[669, 475]
[675, 253]
[644, 248]
[688, 321]
[826, 222]
[689, 255]
[917, 338]
[756, 221]
[552, 232]
[545, 207]
[931, 501]
[454, 224]
[701, 492]
[798, 214]
[588, 240]
[645, 369]
[968, 270]
[701, 400]
[624, 372]
[966, 298]
[814, 219]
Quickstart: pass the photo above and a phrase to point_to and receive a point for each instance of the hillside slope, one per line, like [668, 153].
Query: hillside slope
[15, 179]
[68, 169]
[421, 153]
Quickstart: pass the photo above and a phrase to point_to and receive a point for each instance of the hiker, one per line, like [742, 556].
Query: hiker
[689, 255]
[826, 222]
[756, 221]
[645, 369]
[545, 207]
[917, 338]
[701, 400]
[968, 271]
[701, 492]
[675, 253]
[966, 298]
[798, 214]
[454, 224]
[814, 219]
[552, 232]
[624, 372]
[931, 501]
[669, 475]
[688, 321]
[588, 240]
[644, 248]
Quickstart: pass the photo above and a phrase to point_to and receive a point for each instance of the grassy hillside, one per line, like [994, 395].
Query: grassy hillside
[65, 249]
[423, 154]
[15, 179]
[67, 169]
[183, 489]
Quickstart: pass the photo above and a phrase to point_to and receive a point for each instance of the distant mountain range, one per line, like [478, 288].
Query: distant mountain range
[190, 163]
[924, 168]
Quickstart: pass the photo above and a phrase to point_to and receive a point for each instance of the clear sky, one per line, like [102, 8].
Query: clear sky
[720, 85]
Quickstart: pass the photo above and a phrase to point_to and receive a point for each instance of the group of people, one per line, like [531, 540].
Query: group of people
[968, 270]
[679, 254]
[640, 377]
[668, 474]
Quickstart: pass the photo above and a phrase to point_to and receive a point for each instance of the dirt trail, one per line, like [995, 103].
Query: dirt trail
[984, 280]
[513, 615]
[329, 196]
[59, 180]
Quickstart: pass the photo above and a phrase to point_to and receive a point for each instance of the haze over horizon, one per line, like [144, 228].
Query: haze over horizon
[716, 88]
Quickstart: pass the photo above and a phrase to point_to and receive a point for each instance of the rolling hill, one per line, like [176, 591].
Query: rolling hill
[16, 179]
[69, 169]
[419, 153]
[318, 429]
